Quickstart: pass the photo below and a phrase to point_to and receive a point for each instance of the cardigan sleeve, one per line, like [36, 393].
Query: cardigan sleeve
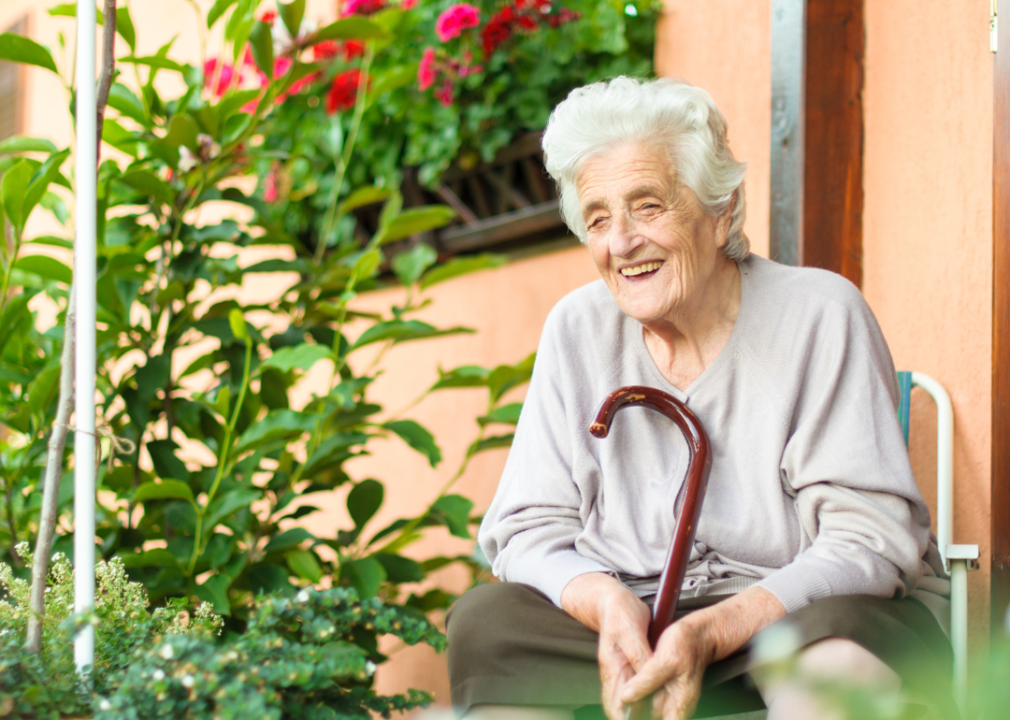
[529, 532]
[865, 525]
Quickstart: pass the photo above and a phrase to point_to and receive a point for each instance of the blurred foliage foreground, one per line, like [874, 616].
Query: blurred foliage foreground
[206, 506]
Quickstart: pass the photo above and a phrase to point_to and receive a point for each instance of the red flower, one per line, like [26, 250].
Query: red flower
[325, 50]
[426, 69]
[270, 187]
[268, 17]
[455, 20]
[527, 23]
[362, 7]
[408, 4]
[494, 34]
[444, 94]
[343, 92]
[353, 49]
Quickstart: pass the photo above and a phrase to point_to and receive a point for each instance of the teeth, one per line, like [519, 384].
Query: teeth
[639, 269]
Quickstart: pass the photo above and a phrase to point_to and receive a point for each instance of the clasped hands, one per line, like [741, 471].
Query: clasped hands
[631, 671]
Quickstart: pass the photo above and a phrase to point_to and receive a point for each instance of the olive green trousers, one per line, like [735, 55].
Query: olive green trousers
[509, 644]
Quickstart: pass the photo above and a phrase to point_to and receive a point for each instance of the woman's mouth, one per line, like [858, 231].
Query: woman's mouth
[646, 268]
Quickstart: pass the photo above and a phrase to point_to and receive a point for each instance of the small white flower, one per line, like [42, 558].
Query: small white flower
[187, 160]
[302, 595]
[158, 674]
[369, 667]
[166, 651]
[104, 704]
[188, 681]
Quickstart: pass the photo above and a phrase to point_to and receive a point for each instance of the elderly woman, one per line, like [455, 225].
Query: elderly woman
[812, 512]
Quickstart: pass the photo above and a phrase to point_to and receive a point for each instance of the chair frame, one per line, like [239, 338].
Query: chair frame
[957, 559]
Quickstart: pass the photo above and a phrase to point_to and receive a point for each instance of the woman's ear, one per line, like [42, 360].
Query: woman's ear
[723, 223]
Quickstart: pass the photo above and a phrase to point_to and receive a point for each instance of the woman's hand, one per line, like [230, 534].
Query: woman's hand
[602, 603]
[675, 671]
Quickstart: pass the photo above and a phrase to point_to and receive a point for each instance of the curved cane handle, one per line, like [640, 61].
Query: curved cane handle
[699, 466]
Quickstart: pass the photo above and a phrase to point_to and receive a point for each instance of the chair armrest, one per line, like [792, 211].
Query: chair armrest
[967, 553]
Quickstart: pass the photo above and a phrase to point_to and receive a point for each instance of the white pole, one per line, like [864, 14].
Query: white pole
[84, 288]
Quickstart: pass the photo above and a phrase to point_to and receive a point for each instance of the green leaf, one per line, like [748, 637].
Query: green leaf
[237, 323]
[148, 558]
[364, 575]
[367, 264]
[182, 131]
[288, 539]
[464, 376]
[409, 265]
[214, 590]
[13, 188]
[45, 267]
[23, 143]
[219, 8]
[42, 390]
[363, 196]
[40, 181]
[124, 27]
[291, 14]
[164, 490]
[490, 443]
[400, 569]
[505, 377]
[351, 28]
[364, 501]
[506, 414]
[153, 61]
[460, 266]
[70, 10]
[149, 184]
[20, 49]
[415, 220]
[262, 45]
[304, 564]
[402, 331]
[276, 425]
[454, 512]
[121, 98]
[266, 578]
[302, 356]
[227, 505]
[417, 437]
[162, 452]
[52, 241]
[394, 78]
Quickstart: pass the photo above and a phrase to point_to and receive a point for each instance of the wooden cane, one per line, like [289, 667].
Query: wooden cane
[690, 501]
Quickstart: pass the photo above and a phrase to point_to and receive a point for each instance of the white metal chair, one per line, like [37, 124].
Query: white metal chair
[957, 559]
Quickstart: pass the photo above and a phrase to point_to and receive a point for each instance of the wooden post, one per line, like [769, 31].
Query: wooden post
[817, 135]
[1000, 560]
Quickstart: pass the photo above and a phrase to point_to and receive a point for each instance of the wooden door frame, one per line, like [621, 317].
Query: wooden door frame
[816, 213]
[1000, 487]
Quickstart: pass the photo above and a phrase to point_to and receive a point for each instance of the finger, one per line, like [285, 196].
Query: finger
[613, 680]
[651, 677]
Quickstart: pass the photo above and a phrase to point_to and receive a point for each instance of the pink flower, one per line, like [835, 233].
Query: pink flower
[444, 94]
[224, 76]
[426, 70]
[408, 4]
[455, 20]
[282, 65]
[270, 187]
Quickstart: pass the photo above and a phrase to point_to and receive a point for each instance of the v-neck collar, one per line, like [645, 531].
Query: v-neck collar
[724, 356]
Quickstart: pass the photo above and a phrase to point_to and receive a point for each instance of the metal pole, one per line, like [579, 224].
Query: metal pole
[789, 64]
[84, 288]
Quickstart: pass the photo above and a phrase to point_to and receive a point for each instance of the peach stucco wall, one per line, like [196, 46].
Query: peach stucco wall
[927, 229]
[927, 233]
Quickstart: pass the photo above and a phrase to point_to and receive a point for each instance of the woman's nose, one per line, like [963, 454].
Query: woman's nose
[624, 237]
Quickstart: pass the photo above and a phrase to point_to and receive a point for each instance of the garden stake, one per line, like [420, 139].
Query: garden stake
[689, 501]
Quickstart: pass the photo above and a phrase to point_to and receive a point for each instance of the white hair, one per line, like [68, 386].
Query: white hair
[665, 113]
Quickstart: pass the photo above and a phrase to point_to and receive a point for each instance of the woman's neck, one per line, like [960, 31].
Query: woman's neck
[690, 339]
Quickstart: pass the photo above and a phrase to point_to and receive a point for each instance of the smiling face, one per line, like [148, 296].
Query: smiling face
[652, 243]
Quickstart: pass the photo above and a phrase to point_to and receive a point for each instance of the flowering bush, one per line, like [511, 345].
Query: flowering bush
[462, 80]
